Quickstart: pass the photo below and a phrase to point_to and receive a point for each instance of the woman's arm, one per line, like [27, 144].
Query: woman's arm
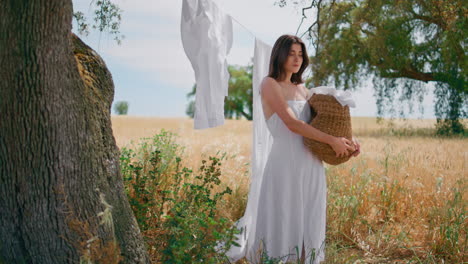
[271, 92]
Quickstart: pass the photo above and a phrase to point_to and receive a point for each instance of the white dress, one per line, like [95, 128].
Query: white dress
[292, 198]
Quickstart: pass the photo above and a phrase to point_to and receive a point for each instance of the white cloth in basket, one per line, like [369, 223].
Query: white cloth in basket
[343, 97]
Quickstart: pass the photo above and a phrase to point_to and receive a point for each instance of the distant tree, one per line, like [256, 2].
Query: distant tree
[190, 111]
[121, 107]
[401, 44]
[239, 101]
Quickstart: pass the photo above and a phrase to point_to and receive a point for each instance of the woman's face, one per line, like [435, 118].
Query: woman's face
[294, 61]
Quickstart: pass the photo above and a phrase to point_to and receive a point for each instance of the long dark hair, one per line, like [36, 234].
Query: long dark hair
[279, 55]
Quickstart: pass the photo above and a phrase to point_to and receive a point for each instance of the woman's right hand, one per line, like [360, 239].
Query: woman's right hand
[341, 145]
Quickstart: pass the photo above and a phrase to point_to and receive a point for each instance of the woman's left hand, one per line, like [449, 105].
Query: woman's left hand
[358, 147]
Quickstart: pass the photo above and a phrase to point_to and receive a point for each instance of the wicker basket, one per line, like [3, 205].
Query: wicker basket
[328, 116]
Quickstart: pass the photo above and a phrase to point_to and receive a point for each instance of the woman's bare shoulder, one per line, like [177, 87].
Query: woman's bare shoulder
[269, 80]
[304, 89]
[269, 83]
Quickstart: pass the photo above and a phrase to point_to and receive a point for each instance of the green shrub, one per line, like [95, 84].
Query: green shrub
[146, 171]
[194, 229]
[175, 209]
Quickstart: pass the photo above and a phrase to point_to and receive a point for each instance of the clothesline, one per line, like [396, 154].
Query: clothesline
[206, 27]
[251, 33]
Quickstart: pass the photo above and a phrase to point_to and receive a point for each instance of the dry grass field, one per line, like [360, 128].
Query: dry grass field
[403, 200]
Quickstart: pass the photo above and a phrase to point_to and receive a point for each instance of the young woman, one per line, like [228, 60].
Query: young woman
[291, 213]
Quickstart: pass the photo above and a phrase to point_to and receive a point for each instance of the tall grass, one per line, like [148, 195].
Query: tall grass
[403, 200]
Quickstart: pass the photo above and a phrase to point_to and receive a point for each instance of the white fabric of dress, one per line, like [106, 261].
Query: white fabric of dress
[207, 37]
[292, 197]
[286, 205]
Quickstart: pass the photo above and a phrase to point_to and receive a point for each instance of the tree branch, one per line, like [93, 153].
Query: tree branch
[318, 4]
[421, 76]
[304, 16]
[432, 20]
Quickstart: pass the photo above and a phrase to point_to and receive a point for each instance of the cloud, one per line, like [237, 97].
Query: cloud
[164, 9]
[153, 45]
[163, 59]
[152, 35]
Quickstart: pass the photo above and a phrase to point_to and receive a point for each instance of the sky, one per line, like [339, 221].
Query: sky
[152, 73]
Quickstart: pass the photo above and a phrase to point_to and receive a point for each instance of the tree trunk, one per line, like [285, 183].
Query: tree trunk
[62, 197]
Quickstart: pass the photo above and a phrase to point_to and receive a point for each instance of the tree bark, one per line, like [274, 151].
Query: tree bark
[62, 197]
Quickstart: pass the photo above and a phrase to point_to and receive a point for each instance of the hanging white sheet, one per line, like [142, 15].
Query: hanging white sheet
[207, 38]
[261, 146]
